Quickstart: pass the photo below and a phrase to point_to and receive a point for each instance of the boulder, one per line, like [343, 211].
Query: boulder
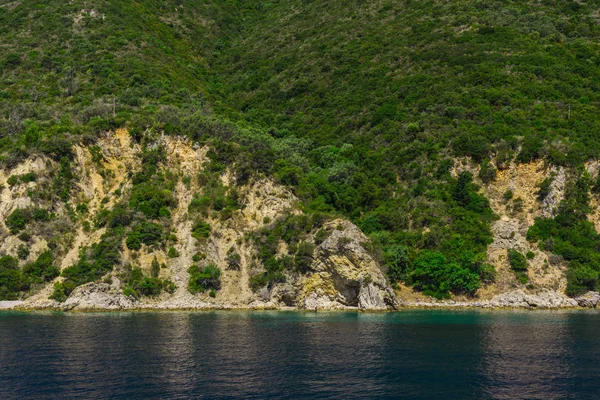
[345, 274]
[370, 298]
[284, 294]
[98, 296]
[588, 300]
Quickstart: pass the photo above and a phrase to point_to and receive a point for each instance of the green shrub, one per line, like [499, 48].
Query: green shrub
[169, 286]
[8, 262]
[517, 261]
[155, 268]
[12, 283]
[28, 177]
[63, 180]
[42, 269]
[119, 216]
[397, 261]
[436, 277]
[62, 290]
[24, 236]
[487, 171]
[201, 204]
[130, 292]
[234, 260]
[517, 205]
[12, 180]
[20, 217]
[200, 230]
[488, 274]
[172, 253]
[321, 236]
[137, 284]
[150, 286]
[268, 278]
[207, 278]
[17, 220]
[544, 188]
[147, 233]
[304, 257]
[152, 200]
[581, 278]
[82, 208]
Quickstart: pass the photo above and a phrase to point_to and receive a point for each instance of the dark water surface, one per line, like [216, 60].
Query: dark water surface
[413, 354]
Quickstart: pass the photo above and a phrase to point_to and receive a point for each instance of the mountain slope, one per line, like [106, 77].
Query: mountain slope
[404, 117]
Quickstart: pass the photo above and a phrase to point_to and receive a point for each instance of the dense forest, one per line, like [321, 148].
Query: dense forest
[360, 108]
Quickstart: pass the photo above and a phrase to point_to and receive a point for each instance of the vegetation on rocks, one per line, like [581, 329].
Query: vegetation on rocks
[14, 281]
[203, 279]
[362, 115]
[518, 264]
[138, 284]
[573, 237]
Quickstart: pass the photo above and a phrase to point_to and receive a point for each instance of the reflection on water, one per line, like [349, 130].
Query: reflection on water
[527, 358]
[416, 354]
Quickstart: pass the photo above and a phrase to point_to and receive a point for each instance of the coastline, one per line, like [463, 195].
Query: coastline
[514, 300]
[405, 307]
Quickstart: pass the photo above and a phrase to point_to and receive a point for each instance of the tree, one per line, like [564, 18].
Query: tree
[462, 189]
[397, 261]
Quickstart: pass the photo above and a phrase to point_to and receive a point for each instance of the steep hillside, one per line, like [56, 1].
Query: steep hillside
[177, 237]
[455, 142]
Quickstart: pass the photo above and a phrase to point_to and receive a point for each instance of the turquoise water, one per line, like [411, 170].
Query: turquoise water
[412, 354]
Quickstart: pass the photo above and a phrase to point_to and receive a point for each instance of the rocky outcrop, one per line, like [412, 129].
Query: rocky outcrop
[513, 299]
[345, 273]
[588, 300]
[319, 300]
[557, 192]
[545, 299]
[285, 294]
[370, 298]
[7, 305]
[99, 296]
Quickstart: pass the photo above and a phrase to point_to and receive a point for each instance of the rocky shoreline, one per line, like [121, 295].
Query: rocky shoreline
[517, 300]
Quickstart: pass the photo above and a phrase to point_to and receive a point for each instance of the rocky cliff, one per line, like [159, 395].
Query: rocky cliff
[342, 273]
[341, 269]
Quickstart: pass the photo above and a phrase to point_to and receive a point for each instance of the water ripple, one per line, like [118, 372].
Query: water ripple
[416, 354]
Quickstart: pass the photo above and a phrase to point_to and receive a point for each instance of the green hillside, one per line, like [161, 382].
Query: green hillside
[360, 107]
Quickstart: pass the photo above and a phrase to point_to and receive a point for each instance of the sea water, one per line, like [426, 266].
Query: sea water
[411, 354]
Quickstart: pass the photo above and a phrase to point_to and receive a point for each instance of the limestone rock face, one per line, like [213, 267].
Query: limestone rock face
[553, 199]
[369, 298]
[98, 296]
[345, 273]
[284, 294]
[318, 300]
[588, 300]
